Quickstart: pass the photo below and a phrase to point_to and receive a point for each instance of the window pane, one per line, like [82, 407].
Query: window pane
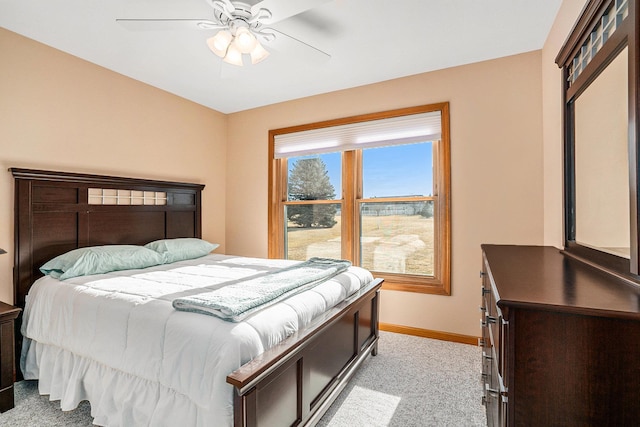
[396, 171]
[397, 237]
[312, 230]
[316, 177]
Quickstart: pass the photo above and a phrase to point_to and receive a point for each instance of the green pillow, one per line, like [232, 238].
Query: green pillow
[99, 260]
[181, 249]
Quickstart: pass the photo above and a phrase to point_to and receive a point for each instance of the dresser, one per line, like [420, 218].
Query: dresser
[560, 341]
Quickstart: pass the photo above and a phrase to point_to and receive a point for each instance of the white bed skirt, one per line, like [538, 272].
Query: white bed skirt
[116, 398]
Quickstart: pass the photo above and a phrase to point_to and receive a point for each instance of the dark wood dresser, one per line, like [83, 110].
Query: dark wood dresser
[561, 341]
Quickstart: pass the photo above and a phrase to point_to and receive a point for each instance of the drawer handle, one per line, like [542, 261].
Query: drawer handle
[486, 356]
[492, 392]
[491, 319]
[480, 342]
[482, 308]
[485, 291]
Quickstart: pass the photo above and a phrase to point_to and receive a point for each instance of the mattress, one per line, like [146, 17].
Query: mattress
[116, 340]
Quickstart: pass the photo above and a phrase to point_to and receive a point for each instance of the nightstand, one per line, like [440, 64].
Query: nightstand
[8, 314]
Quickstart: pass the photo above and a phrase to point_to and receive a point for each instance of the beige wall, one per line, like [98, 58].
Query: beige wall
[497, 182]
[552, 121]
[58, 112]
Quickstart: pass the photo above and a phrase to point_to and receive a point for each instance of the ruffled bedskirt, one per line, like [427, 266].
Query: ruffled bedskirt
[116, 398]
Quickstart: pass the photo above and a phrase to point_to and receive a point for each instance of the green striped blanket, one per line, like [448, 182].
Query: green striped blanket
[238, 300]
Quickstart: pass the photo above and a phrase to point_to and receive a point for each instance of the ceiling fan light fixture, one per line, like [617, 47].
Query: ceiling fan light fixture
[233, 56]
[220, 43]
[244, 40]
[240, 28]
[258, 54]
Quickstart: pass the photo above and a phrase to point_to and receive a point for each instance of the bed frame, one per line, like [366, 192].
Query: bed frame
[292, 384]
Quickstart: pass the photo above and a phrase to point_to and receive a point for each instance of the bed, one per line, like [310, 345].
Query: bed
[285, 382]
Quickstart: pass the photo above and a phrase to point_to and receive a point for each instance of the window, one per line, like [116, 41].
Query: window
[374, 189]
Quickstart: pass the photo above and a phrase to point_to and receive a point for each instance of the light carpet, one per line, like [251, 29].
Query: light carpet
[412, 381]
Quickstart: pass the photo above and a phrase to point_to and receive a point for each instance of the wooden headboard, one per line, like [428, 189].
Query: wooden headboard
[56, 212]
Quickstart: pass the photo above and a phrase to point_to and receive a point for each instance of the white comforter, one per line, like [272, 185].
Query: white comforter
[115, 339]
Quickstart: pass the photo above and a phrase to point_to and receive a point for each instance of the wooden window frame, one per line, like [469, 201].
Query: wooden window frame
[351, 198]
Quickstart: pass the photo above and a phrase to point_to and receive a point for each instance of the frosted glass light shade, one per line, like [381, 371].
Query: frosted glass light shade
[245, 41]
[234, 56]
[220, 43]
[258, 54]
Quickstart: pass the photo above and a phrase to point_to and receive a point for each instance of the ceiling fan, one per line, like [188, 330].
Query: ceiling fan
[243, 28]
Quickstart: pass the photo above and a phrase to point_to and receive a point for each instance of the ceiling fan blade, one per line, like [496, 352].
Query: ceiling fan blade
[297, 49]
[168, 24]
[283, 9]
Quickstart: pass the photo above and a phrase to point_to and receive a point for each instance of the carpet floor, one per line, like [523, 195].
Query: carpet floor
[411, 382]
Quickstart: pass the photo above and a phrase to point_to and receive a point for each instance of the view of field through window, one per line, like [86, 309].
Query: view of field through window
[395, 236]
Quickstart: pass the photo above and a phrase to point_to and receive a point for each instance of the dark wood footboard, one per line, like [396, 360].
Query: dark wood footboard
[295, 382]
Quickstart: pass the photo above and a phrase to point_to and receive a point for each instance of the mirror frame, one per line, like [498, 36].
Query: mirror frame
[625, 35]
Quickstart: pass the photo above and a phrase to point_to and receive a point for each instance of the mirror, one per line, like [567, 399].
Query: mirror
[600, 76]
[601, 161]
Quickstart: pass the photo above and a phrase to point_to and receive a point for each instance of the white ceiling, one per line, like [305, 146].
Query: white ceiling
[368, 40]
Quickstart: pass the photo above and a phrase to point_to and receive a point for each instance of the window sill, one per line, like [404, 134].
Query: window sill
[423, 286]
